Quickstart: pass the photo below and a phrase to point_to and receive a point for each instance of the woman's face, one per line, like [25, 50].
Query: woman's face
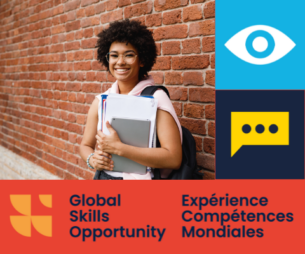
[124, 62]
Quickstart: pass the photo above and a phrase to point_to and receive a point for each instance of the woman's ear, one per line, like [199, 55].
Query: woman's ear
[141, 65]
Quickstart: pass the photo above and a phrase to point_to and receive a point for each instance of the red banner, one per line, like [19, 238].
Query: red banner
[248, 216]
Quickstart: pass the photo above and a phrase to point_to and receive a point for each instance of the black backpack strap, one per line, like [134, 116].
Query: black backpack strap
[150, 90]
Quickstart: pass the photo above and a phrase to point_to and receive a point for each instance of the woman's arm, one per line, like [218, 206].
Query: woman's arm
[87, 146]
[169, 155]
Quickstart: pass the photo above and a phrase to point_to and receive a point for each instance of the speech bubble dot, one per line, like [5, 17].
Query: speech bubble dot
[273, 128]
[260, 128]
[246, 128]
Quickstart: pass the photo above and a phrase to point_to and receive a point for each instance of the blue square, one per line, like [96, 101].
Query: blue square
[269, 36]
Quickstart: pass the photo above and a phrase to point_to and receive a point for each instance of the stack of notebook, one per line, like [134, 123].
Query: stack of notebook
[134, 119]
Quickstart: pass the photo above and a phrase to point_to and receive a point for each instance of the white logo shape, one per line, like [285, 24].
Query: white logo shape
[260, 44]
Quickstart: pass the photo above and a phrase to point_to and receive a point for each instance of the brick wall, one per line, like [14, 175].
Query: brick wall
[49, 74]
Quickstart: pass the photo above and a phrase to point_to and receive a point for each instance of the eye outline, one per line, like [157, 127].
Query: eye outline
[283, 45]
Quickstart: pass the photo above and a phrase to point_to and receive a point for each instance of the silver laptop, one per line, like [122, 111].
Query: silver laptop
[133, 132]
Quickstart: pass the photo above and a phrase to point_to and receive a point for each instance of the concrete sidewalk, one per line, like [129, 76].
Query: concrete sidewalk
[13, 166]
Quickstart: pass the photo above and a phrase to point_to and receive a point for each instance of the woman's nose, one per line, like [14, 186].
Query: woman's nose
[121, 60]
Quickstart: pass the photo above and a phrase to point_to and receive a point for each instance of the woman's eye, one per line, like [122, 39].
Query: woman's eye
[114, 56]
[129, 55]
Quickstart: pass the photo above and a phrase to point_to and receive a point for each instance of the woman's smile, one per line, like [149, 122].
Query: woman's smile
[121, 71]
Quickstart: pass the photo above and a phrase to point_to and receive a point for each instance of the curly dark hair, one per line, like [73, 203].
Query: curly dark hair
[132, 32]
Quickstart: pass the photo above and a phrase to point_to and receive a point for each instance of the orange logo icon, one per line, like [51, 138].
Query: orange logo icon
[22, 223]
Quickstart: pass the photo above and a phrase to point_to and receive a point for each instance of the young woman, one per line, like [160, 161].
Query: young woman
[128, 51]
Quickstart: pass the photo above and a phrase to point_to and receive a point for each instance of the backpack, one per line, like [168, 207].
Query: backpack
[188, 168]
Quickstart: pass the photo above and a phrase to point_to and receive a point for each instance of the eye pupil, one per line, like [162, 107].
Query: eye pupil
[260, 44]
[257, 41]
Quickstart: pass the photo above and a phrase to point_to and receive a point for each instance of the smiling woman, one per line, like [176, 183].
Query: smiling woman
[128, 51]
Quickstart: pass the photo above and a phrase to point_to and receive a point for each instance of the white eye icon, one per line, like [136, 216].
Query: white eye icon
[260, 44]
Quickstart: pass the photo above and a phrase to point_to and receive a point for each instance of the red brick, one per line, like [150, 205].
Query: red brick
[70, 37]
[78, 35]
[88, 33]
[162, 5]
[78, 55]
[97, 66]
[140, 19]
[202, 94]
[208, 44]
[170, 32]
[191, 13]
[92, 88]
[89, 43]
[209, 10]
[91, 21]
[100, 8]
[106, 86]
[210, 77]
[101, 76]
[124, 3]
[206, 27]
[71, 16]
[90, 10]
[209, 145]
[71, 127]
[191, 46]
[90, 76]
[72, 5]
[206, 161]
[58, 10]
[75, 25]
[211, 129]
[138, 9]
[190, 62]
[82, 66]
[57, 48]
[208, 175]
[72, 46]
[153, 20]
[178, 108]
[158, 45]
[81, 98]
[172, 17]
[162, 63]
[195, 126]
[88, 55]
[198, 141]
[112, 16]
[158, 76]
[80, 13]
[193, 110]
[193, 78]
[177, 93]
[97, 30]
[59, 163]
[197, 1]
[59, 143]
[173, 78]
[213, 61]
[110, 78]
[81, 119]
[72, 97]
[88, 2]
[58, 29]
[111, 5]
[171, 47]
[210, 111]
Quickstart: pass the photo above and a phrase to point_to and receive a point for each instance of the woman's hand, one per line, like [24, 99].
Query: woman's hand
[108, 143]
[101, 160]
